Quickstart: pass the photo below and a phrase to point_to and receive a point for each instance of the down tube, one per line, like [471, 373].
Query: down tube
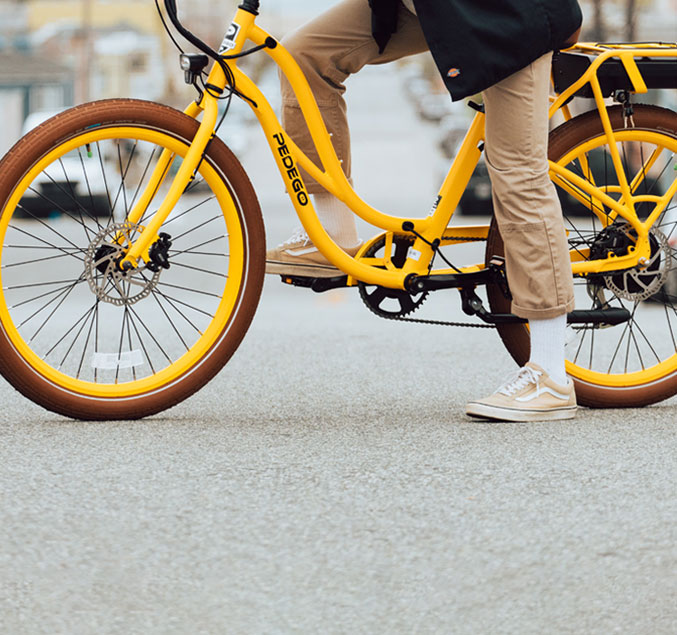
[281, 148]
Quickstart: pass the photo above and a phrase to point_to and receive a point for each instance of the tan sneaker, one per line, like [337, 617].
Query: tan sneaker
[299, 257]
[530, 395]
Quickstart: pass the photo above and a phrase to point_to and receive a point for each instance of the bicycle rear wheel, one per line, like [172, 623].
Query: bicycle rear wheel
[76, 335]
[635, 363]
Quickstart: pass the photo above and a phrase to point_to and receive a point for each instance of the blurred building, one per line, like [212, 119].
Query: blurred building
[29, 83]
[69, 51]
[654, 20]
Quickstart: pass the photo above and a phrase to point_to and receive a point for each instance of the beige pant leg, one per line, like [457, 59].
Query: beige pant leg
[526, 206]
[329, 49]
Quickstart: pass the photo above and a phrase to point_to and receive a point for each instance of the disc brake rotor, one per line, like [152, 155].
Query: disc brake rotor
[385, 302]
[642, 282]
[104, 276]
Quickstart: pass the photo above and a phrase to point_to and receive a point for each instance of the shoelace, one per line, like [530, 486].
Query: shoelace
[299, 236]
[521, 379]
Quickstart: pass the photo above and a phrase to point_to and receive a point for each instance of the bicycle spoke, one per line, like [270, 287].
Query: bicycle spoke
[65, 294]
[143, 177]
[211, 273]
[143, 346]
[631, 338]
[82, 319]
[32, 262]
[29, 285]
[200, 226]
[38, 297]
[189, 289]
[73, 197]
[73, 245]
[129, 341]
[641, 332]
[89, 188]
[192, 250]
[105, 179]
[171, 301]
[123, 173]
[171, 322]
[618, 348]
[580, 345]
[122, 337]
[59, 207]
[150, 334]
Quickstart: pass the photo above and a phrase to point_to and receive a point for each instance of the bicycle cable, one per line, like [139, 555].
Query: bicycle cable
[166, 27]
[171, 8]
[408, 226]
[230, 90]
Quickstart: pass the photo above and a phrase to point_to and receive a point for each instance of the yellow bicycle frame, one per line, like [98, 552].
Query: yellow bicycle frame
[584, 190]
[331, 176]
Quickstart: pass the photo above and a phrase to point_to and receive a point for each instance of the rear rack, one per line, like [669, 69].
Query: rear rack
[657, 72]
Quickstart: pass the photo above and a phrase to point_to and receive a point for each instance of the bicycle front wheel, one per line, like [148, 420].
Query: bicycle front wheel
[78, 336]
[634, 363]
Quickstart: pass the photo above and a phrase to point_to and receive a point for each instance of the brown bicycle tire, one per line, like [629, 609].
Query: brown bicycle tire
[117, 112]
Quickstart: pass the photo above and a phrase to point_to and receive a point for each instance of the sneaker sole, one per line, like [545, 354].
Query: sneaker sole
[308, 271]
[483, 411]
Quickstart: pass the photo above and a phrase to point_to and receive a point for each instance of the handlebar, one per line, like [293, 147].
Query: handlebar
[170, 6]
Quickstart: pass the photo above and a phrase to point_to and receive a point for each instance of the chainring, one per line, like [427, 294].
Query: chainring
[384, 302]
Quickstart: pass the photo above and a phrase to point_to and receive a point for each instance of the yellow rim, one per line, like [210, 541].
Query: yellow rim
[669, 365]
[226, 305]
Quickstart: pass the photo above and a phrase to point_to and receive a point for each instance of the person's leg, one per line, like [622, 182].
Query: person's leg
[329, 49]
[529, 216]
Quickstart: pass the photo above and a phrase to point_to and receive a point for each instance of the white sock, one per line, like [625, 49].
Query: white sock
[337, 218]
[547, 346]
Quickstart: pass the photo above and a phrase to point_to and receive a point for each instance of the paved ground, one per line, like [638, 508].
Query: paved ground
[327, 481]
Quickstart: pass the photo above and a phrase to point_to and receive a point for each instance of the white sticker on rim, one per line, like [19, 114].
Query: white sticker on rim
[231, 35]
[113, 361]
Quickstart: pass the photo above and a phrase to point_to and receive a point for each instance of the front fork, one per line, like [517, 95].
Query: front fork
[150, 233]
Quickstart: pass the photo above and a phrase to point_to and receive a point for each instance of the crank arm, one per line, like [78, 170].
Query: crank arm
[418, 284]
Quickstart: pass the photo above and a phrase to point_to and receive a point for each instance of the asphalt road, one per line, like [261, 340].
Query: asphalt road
[328, 481]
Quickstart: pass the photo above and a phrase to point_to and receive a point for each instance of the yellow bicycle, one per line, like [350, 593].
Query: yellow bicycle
[132, 246]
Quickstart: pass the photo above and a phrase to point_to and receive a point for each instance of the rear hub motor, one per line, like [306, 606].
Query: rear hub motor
[643, 281]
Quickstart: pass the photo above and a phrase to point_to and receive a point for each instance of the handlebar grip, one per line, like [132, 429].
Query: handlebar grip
[250, 5]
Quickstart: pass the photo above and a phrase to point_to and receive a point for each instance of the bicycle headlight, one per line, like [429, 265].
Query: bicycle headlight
[194, 63]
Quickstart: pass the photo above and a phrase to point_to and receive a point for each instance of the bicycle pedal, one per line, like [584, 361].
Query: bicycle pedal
[319, 285]
[298, 281]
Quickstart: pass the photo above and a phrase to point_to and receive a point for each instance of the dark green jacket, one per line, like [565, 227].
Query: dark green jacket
[476, 43]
